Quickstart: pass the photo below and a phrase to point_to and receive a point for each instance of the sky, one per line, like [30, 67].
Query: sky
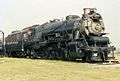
[18, 14]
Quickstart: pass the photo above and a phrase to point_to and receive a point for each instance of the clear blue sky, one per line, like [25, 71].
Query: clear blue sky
[18, 14]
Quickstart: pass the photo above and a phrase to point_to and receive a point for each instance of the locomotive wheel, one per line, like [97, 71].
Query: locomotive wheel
[69, 58]
[9, 54]
[28, 53]
[33, 54]
[103, 56]
[14, 54]
[45, 55]
[87, 57]
[52, 55]
[60, 55]
[84, 58]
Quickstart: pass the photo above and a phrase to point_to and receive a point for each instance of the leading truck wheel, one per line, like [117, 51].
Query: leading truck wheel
[103, 56]
[87, 57]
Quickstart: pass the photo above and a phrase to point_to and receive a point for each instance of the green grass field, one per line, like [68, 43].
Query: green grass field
[19, 69]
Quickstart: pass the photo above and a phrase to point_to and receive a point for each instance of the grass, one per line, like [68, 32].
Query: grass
[19, 69]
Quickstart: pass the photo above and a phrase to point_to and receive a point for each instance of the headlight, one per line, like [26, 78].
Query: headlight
[98, 27]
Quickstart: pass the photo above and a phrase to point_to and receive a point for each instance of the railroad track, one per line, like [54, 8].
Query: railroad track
[110, 62]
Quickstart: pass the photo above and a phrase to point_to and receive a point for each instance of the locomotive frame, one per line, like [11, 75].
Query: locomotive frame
[71, 39]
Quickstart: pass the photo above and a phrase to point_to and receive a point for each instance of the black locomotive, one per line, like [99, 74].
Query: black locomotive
[71, 39]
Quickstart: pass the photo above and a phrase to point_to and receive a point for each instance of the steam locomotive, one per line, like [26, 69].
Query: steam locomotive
[70, 39]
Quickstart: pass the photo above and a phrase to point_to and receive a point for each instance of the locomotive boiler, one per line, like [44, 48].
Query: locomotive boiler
[74, 38]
